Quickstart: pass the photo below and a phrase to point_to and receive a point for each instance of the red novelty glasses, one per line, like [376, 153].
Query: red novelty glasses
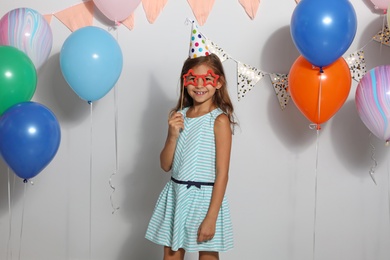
[208, 79]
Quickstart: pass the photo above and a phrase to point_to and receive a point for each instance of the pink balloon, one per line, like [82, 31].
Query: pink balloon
[117, 10]
[373, 101]
[381, 4]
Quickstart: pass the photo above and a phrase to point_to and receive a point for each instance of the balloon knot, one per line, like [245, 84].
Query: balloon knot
[321, 70]
[25, 181]
[90, 102]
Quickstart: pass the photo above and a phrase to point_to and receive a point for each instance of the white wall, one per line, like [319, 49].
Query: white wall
[273, 166]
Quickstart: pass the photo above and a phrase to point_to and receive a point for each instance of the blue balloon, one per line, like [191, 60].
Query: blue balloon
[91, 62]
[322, 31]
[29, 138]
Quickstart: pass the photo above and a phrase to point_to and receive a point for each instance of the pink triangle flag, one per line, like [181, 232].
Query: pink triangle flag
[153, 8]
[250, 7]
[201, 9]
[48, 17]
[129, 22]
[77, 16]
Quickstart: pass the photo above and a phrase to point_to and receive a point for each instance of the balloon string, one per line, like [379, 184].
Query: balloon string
[315, 195]
[375, 163]
[9, 253]
[388, 186]
[116, 152]
[90, 181]
[23, 207]
[319, 99]
[383, 34]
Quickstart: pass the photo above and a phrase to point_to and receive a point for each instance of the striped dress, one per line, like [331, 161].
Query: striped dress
[179, 210]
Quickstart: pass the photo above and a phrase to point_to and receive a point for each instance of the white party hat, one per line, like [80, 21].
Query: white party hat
[198, 46]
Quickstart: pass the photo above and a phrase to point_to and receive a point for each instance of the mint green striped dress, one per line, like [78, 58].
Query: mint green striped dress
[179, 210]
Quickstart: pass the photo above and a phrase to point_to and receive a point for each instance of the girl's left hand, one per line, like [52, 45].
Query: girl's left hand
[206, 230]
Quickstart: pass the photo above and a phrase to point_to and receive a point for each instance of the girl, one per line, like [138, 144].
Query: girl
[192, 212]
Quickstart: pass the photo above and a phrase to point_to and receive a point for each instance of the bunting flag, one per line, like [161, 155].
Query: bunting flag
[153, 8]
[77, 16]
[48, 17]
[357, 65]
[248, 77]
[201, 9]
[129, 22]
[383, 36]
[214, 48]
[250, 7]
[280, 83]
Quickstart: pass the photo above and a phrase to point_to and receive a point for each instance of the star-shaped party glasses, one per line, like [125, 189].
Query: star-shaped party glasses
[208, 79]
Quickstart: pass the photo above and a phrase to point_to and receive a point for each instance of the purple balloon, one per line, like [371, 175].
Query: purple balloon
[27, 30]
[372, 100]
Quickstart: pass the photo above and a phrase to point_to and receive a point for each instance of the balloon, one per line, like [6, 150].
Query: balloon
[91, 62]
[27, 30]
[323, 30]
[372, 99]
[319, 95]
[381, 4]
[29, 138]
[117, 10]
[18, 77]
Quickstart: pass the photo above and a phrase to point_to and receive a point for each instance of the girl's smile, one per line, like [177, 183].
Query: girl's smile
[201, 83]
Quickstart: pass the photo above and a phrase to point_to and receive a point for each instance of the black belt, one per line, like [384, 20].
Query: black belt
[197, 184]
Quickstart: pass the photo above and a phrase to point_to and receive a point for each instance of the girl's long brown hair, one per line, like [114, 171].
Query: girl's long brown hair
[221, 97]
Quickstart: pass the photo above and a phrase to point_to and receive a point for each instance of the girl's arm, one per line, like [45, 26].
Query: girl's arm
[175, 123]
[223, 142]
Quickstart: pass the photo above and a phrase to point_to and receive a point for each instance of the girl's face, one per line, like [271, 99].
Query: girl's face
[201, 83]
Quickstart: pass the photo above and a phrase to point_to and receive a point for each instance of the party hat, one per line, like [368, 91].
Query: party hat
[198, 45]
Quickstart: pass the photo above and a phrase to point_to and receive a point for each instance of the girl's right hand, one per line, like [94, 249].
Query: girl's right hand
[176, 125]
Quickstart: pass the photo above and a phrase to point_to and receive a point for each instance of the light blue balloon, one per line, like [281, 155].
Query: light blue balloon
[322, 31]
[91, 62]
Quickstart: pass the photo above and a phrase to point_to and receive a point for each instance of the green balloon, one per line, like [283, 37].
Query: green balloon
[18, 77]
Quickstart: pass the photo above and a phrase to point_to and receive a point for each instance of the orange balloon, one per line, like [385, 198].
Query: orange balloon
[319, 95]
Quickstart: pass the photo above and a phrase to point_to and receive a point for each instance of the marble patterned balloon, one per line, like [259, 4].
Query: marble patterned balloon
[27, 30]
[372, 99]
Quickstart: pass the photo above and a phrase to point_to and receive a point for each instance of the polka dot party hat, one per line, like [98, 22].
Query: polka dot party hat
[198, 45]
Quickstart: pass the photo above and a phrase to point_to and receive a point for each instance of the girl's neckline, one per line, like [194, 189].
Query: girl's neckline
[200, 115]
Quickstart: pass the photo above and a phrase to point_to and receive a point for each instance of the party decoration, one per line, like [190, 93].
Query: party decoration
[77, 16]
[372, 101]
[198, 45]
[129, 22]
[18, 77]
[29, 138]
[383, 36]
[248, 77]
[357, 65]
[381, 4]
[153, 8]
[280, 83]
[117, 10]
[323, 30]
[201, 9]
[91, 62]
[250, 7]
[319, 95]
[27, 30]
[214, 48]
